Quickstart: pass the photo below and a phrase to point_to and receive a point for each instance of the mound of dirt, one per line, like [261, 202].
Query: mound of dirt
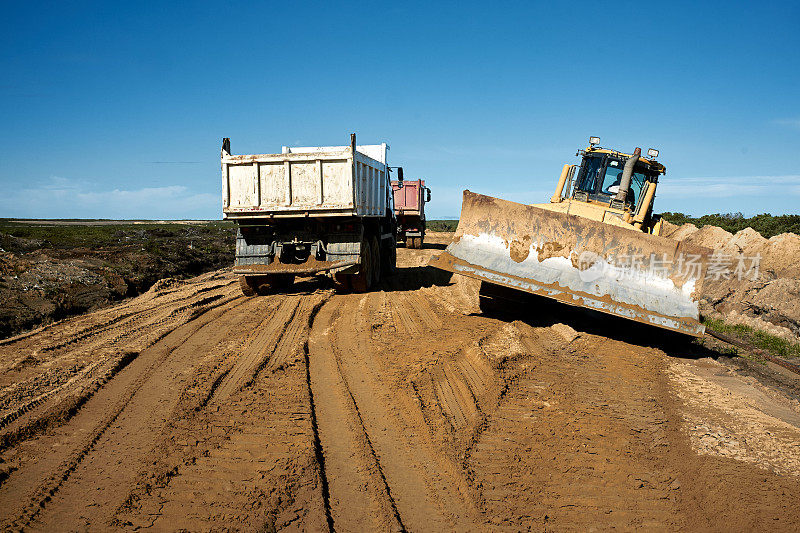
[747, 241]
[712, 237]
[770, 300]
[679, 233]
[782, 255]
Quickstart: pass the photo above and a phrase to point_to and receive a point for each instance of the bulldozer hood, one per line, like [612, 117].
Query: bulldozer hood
[615, 270]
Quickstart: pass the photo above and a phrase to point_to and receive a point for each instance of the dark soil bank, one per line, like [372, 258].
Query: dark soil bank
[49, 271]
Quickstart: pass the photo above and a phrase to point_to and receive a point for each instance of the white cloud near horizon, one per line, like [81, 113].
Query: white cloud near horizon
[791, 122]
[728, 187]
[60, 197]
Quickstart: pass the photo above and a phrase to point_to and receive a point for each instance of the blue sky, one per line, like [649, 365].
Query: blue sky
[111, 110]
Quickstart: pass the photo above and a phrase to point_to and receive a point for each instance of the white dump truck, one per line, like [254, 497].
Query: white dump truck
[311, 210]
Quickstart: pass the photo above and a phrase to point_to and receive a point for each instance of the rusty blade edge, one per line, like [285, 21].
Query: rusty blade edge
[686, 326]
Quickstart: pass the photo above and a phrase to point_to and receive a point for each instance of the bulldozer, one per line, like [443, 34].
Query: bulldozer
[597, 244]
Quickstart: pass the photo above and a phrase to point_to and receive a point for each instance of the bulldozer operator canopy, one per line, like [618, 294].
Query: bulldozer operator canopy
[601, 172]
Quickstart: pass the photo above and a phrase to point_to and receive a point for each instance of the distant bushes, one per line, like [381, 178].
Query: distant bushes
[441, 225]
[767, 225]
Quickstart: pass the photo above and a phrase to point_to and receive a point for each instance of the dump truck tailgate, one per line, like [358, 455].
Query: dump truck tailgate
[409, 199]
[324, 181]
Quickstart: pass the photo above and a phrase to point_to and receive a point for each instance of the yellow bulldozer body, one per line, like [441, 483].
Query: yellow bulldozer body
[583, 251]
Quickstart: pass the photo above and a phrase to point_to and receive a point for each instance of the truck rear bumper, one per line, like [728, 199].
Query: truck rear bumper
[312, 266]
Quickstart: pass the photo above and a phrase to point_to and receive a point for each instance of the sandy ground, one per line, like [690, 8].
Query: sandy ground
[193, 407]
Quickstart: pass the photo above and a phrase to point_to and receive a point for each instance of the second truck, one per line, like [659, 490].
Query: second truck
[304, 211]
[410, 198]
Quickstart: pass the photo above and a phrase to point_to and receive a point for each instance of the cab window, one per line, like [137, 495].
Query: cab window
[590, 175]
[637, 183]
[613, 177]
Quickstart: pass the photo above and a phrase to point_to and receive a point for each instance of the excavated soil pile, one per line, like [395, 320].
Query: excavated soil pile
[769, 299]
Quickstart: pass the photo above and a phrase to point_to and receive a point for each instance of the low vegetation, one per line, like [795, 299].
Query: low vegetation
[767, 225]
[25, 236]
[757, 338]
[442, 225]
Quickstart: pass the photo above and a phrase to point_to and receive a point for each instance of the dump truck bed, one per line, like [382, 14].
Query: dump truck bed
[321, 181]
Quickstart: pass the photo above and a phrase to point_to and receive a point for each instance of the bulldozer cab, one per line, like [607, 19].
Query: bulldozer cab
[602, 192]
[600, 174]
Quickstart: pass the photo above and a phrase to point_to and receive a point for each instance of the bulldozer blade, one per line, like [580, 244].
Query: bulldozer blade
[578, 261]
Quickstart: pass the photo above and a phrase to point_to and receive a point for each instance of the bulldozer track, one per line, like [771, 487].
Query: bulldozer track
[414, 314]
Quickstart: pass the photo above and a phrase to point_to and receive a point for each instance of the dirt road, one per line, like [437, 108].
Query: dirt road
[193, 407]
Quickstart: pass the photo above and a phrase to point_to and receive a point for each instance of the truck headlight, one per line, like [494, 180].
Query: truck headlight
[652, 152]
[594, 140]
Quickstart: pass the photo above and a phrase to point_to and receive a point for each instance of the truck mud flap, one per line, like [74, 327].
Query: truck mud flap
[612, 269]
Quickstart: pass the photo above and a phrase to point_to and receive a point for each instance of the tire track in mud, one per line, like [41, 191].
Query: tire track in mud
[35, 488]
[58, 405]
[259, 469]
[385, 445]
[71, 350]
[357, 497]
[93, 324]
[257, 350]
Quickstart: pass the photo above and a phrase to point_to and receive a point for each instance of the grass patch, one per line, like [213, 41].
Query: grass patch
[20, 237]
[759, 339]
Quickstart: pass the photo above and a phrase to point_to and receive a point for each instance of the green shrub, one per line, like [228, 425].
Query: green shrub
[441, 225]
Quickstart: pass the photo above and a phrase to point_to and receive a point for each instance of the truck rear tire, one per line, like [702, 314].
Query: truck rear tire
[362, 281]
[273, 283]
[376, 262]
[247, 286]
[389, 257]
